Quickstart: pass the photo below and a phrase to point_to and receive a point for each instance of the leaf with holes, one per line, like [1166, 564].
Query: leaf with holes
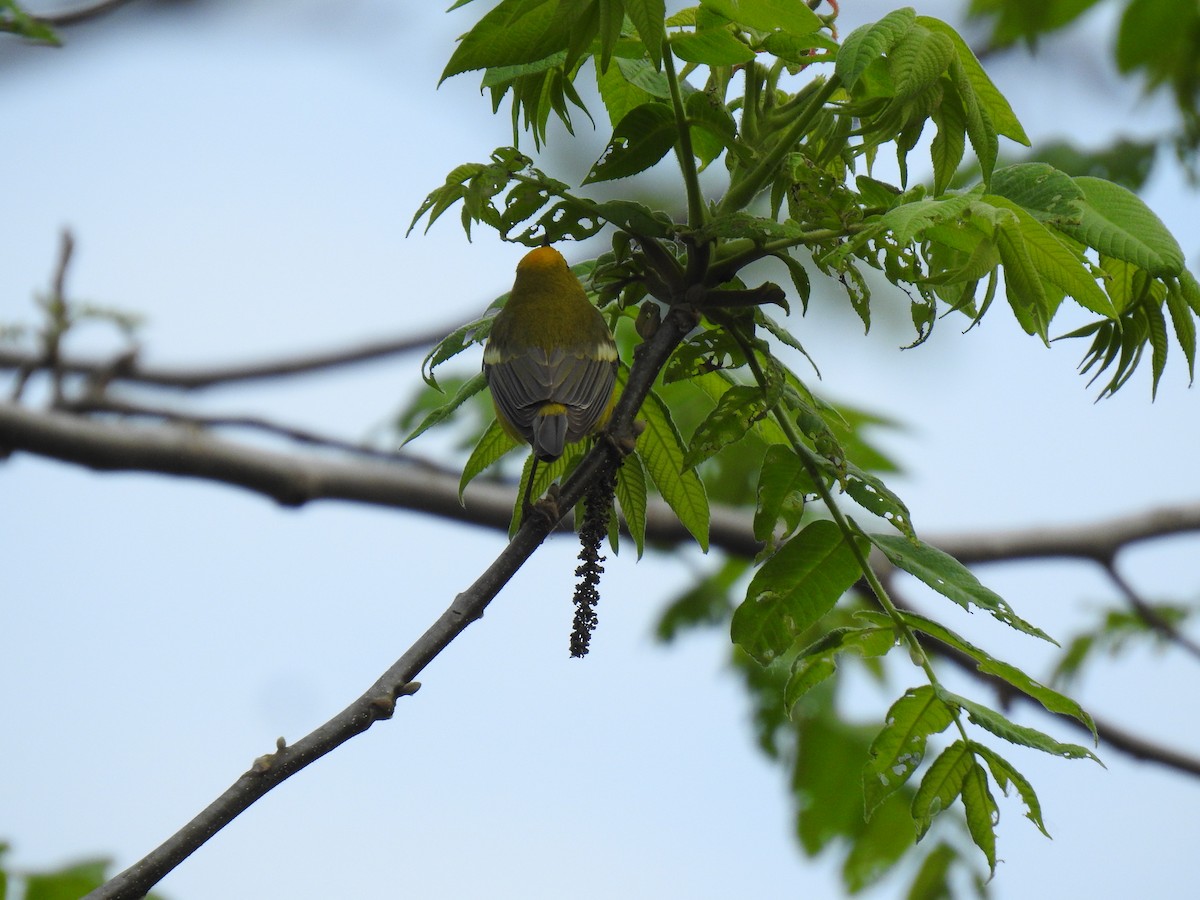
[950, 578]
[900, 745]
[642, 138]
[793, 590]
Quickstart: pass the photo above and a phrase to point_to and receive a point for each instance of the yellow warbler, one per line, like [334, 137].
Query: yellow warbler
[550, 359]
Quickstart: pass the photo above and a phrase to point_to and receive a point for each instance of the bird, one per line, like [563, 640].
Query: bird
[550, 360]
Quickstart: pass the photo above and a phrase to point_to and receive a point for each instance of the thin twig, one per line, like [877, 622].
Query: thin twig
[1149, 614]
[127, 368]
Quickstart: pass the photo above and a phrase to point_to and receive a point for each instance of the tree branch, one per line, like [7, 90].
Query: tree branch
[378, 702]
[127, 367]
[82, 14]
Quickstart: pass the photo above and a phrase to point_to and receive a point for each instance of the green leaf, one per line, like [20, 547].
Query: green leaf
[475, 332]
[738, 409]
[631, 494]
[15, 20]
[472, 387]
[1059, 264]
[982, 814]
[647, 17]
[991, 102]
[932, 881]
[917, 61]
[941, 785]
[793, 589]
[952, 579]
[806, 677]
[641, 139]
[949, 144]
[492, 444]
[1051, 700]
[910, 219]
[512, 33]
[709, 351]
[900, 745]
[767, 15]
[1184, 324]
[1004, 774]
[619, 94]
[1047, 194]
[1003, 727]
[873, 495]
[67, 883]
[711, 47]
[1117, 223]
[1022, 281]
[869, 42]
[783, 483]
[1158, 344]
[661, 449]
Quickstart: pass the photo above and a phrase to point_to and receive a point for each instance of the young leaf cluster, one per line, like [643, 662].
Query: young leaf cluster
[798, 120]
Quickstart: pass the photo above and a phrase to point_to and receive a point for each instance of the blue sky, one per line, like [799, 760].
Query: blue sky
[243, 175]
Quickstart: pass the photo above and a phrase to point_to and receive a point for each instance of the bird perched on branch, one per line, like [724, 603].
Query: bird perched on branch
[550, 359]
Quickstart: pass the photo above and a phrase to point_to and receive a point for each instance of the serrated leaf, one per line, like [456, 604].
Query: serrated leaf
[469, 389]
[1116, 222]
[873, 495]
[949, 144]
[1057, 263]
[711, 47]
[1022, 282]
[492, 444]
[1051, 700]
[641, 139]
[661, 449]
[793, 589]
[1004, 774]
[631, 494]
[1158, 344]
[806, 677]
[783, 483]
[941, 784]
[982, 813]
[647, 17]
[1003, 727]
[868, 42]
[736, 412]
[917, 61]
[1185, 326]
[899, 746]
[510, 34]
[990, 100]
[909, 219]
[950, 578]
[1047, 194]
[767, 15]
[475, 332]
[709, 351]
[620, 95]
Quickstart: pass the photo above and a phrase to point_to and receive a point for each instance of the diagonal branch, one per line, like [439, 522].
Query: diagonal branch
[378, 702]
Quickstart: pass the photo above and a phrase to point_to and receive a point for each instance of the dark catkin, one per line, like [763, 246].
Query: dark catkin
[597, 507]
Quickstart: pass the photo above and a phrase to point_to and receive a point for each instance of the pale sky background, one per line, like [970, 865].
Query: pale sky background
[243, 173]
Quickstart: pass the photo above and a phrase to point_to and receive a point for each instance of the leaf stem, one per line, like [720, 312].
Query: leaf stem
[683, 147]
[748, 186]
[849, 530]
